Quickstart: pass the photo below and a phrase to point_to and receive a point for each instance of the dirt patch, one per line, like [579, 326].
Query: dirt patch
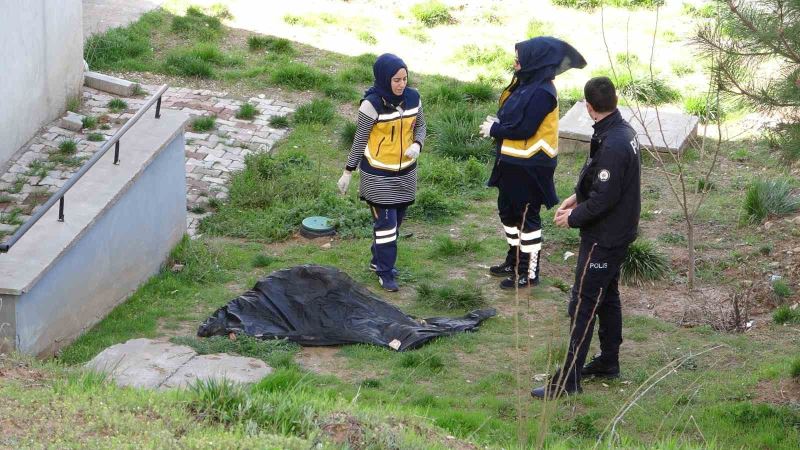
[342, 428]
[778, 392]
[326, 361]
[20, 370]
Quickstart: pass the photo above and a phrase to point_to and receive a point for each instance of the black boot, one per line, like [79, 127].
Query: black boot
[553, 390]
[602, 367]
[502, 270]
[513, 282]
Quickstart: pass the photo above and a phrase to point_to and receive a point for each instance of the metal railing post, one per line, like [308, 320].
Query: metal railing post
[61, 209]
[116, 153]
[158, 108]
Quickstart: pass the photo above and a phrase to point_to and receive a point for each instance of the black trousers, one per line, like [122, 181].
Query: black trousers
[516, 191]
[595, 294]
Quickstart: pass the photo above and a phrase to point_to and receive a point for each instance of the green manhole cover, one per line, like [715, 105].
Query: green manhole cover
[317, 226]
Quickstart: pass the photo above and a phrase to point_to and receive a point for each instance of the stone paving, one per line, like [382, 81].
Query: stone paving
[40, 168]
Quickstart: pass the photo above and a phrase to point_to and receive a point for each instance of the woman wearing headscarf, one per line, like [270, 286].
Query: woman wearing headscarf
[526, 135]
[388, 140]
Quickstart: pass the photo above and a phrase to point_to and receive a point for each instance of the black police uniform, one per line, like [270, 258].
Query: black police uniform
[607, 213]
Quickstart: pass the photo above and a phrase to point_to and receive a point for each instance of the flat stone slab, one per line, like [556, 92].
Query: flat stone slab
[71, 121]
[146, 363]
[668, 131]
[107, 83]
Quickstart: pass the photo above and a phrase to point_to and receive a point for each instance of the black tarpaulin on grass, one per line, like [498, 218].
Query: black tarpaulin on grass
[316, 305]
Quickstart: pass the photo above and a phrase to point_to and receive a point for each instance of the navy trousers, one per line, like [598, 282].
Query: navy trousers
[385, 229]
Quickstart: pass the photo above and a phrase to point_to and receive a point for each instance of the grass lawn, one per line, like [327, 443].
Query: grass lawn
[686, 382]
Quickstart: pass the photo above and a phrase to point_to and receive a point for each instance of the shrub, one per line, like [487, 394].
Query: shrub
[204, 123]
[781, 289]
[316, 111]
[707, 109]
[299, 76]
[96, 137]
[89, 122]
[785, 314]
[769, 197]
[117, 105]
[432, 13]
[495, 56]
[271, 44]
[445, 246]
[538, 28]
[643, 263]
[247, 111]
[367, 37]
[455, 134]
[279, 122]
[68, 147]
[197, 25]
[453, 296]
[786, 138]
[347, 134]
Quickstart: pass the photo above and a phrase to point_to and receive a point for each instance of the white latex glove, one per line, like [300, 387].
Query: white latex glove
[413, 150]
[493, 119]
[486, 128]
[344, 182]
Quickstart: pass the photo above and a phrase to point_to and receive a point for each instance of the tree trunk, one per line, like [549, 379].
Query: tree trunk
[690, 245]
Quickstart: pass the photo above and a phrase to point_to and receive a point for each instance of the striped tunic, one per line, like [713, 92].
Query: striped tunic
[383, 190]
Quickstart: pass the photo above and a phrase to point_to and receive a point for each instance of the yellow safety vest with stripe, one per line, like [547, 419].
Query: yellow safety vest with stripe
[391, 135]
[544, 141]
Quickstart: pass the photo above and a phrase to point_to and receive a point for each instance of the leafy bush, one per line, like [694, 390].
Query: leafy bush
[299, 76]
[538, 28]
[432, 13]
[707, 109]
[247, 111]
[643, 263]
[117, 105]
[204, 123]
[769, 197]
[270, 43]
[785, 314]
[197, 25]
[457, 296]
[279, 121]
[317, 111]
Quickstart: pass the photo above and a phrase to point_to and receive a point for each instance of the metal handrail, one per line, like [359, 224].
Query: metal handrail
[59, 195]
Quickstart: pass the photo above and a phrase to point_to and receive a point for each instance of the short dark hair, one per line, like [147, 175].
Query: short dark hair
[601, 94]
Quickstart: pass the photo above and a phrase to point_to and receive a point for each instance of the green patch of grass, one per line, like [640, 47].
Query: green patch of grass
[204, 123]
[261, 260]
[117, 105]
[452, 177]
[765, 198]
[197, 25]
[682, 68]
[671, 237]
[268, 351]
[299, 76]
[643, 263]
[292, 19]
[785, 314]
[433, 206]
[367, 37]
[781, 289]
[198, 209]
[416, 33]
[347, 134]
[247, 111]
[123, 47]
[343, 92]
[38, 168]
[198, 61]
[316, 111]
[432, 13]
[96, 137]
[89, 122]
[455, 134]
[5, 198]
[356, 74]
[138, 90]
[65, 160]
[474, 55]
[644, 89]
[707, 109]
[12, 217]
[279, 121]
[794, 369]
[421, 360]
[271, 44]
[446, 246]
[74, 103]
[538, 28]
[478, 92]
[68, 147]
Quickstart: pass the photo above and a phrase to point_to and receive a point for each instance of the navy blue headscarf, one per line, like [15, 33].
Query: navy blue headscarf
[540, 60]
[384, 69]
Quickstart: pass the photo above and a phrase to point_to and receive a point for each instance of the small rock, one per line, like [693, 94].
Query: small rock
[767, 225]
[773, 278]
[326, 246]
[177, 268]
[261, 96]
[567, 255]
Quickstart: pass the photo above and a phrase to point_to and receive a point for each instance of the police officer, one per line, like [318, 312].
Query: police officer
[605, 207]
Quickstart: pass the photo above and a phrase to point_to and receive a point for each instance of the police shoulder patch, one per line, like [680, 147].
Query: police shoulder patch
[604, 175]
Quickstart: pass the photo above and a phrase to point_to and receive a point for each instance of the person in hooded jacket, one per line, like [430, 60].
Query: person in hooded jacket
[526, 135]
[388, 139]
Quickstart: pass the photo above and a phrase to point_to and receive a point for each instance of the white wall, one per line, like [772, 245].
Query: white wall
[41, 66]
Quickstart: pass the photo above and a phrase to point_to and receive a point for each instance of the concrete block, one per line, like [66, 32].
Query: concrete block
[107, 83]
[566, 146]
[663, 131]
[71, 122]
[141, 362]
[214, 367]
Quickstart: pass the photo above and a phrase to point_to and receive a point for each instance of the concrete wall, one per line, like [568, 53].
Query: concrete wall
[42, 66]
[120, 224]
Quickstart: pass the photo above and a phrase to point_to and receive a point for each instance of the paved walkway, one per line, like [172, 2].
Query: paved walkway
[210, 156]
[100, 15]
